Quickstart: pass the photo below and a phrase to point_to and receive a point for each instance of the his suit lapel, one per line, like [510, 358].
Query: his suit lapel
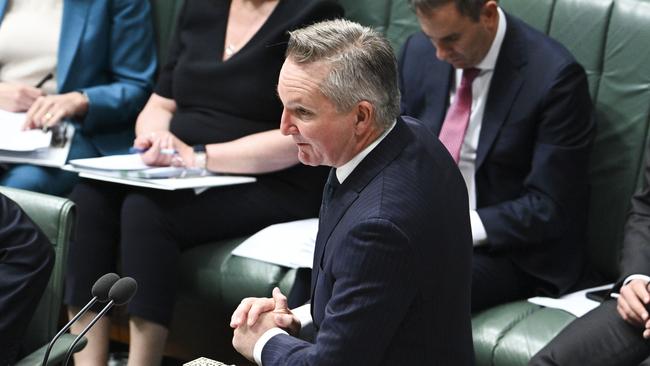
[3, 8]
[349, 191]
[74, 22]
[506, 83]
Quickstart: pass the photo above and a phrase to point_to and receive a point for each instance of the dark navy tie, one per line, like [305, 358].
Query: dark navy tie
[330, 187]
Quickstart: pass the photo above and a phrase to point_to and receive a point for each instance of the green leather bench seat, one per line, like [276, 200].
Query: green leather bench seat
[609, 37]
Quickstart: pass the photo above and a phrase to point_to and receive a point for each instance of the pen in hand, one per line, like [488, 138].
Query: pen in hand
[44, 80]
[137, 150]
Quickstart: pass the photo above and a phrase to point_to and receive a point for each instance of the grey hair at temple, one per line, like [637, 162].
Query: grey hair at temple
[362, 65]
[470, 8]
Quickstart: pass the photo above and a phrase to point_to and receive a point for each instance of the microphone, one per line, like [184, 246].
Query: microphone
[120, 293]
[100, 292]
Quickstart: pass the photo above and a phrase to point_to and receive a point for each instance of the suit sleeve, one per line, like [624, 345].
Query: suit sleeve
[131, 67]
[372, 288]
[26, 260]
[557, 183]
[635, 256]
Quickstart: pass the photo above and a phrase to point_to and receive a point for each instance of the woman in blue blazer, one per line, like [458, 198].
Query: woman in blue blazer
[104, 74]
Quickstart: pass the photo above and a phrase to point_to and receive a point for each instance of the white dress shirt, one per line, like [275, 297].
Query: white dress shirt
[480, 89]
[303, 313]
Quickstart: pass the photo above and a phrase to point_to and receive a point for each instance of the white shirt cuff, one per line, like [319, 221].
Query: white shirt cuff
[479, 236]
[303, 313]
[259, 345]
[636, 277]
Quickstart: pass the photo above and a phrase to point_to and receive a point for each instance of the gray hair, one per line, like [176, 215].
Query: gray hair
[362, 65]
[469, 8]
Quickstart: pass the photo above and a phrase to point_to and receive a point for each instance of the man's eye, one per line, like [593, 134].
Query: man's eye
[303, 112]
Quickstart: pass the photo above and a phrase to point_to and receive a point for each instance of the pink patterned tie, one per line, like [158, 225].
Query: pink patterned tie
[453, 129]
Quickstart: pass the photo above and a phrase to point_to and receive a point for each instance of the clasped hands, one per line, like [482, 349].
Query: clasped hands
[632, 305]
[254, 316]
[42, 110]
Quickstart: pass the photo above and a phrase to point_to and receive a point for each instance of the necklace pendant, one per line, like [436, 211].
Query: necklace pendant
[230, 50]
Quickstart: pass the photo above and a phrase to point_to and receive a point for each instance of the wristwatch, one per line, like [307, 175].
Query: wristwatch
[200, 156]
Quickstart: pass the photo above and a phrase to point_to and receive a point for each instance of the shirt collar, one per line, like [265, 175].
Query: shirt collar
[490, 60]
[346, 169]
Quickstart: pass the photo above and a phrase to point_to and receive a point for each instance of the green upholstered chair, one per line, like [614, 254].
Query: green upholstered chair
[55, 217]
[609, 38]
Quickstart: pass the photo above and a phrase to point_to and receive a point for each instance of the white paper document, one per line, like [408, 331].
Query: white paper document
[32, 146]
[130, 170]
[112, 162]
[575, 303]
[289, 244]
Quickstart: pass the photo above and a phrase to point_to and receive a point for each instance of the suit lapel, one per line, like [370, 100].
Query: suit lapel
[438, 95]
[506, 83]
[75, 14]
[350, 189]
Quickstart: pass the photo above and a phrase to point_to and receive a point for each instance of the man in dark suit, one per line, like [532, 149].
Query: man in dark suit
[513, 108]
[617, 331]
[391, 270]
[26, 260]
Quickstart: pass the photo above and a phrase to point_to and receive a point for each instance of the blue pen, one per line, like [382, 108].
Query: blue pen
[137, 150]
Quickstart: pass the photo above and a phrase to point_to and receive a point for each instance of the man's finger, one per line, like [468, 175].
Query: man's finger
[280, 300]
[241, 313]
[262, 305]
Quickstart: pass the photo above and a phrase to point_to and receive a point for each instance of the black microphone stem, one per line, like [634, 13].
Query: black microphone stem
[66, 327]
[85, 330]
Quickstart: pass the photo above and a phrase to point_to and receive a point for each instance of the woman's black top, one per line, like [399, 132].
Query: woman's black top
[219, 101]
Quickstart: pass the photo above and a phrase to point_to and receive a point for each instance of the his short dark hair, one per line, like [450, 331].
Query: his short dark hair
[469, 8]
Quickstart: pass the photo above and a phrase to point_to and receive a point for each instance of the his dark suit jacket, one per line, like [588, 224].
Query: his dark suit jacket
[533, 150]
[391, 275]
[26, 260]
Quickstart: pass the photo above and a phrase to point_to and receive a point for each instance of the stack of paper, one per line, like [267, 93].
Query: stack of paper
[32, 146]
[129, 169]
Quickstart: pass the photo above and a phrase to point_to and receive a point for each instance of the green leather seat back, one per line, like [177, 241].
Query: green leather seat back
[394, 18]
[537, 13]
[622, 112]
[164, 14]
[55, 217]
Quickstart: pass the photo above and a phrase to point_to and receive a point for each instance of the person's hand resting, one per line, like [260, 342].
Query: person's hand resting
[162, 148]
[18, 97]
[49, 110]
[632, 302]
[254, 316]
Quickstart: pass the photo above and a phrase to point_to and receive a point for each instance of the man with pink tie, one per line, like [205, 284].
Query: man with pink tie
[512, 106]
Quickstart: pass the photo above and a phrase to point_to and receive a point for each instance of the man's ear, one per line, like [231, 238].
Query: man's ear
[364, 114]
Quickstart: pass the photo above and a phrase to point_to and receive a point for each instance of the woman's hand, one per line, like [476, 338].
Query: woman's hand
[18, 97]
[49, 110]
[164, 149]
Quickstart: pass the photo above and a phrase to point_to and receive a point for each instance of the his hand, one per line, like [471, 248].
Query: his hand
[18, 97]
[163, 149]
[245, 337]
[254, 316]
[631, 304]
[49, 110]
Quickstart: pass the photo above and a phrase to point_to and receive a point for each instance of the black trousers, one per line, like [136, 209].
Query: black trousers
[26, 261]
[599, 338]
[497, 280]
[146, 230]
